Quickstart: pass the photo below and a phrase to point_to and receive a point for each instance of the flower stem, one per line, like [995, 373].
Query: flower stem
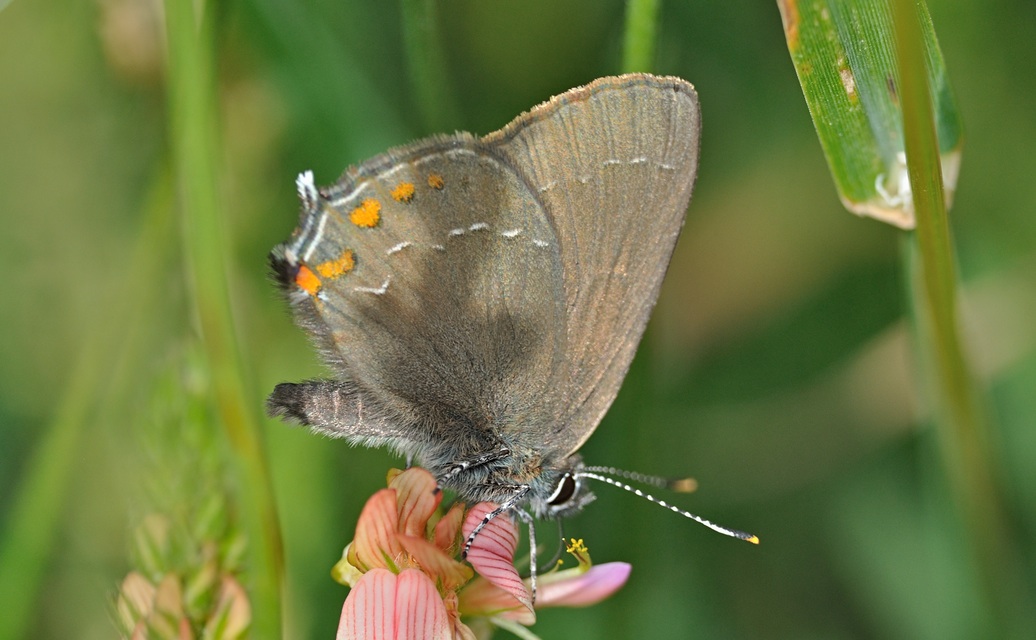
[963, 431]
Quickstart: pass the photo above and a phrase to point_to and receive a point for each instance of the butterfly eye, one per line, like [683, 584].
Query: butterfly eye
[564, 491]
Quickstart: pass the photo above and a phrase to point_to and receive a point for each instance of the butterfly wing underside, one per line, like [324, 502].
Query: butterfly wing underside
[431, 281]
[495, 285]
[614, 164]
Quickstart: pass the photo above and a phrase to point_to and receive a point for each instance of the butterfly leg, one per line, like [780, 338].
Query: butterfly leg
[516, 497]
[524, 515]
[457, 468]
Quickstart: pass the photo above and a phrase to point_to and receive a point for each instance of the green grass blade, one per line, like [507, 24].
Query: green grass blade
[193, 133]
[638, 46]
[843, 52]
[963, 432]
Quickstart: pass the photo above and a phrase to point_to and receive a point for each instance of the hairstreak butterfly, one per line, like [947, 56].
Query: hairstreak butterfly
[480, 298]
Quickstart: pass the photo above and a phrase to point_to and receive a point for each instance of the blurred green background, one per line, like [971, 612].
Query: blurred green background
[777, 369]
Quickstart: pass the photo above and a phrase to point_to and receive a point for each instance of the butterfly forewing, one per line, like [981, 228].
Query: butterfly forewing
[614, 164]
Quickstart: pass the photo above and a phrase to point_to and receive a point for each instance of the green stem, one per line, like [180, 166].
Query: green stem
[638, 46]
[193, 132]
[962, 431]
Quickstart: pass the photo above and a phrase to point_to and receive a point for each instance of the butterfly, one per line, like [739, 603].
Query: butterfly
[480, 299]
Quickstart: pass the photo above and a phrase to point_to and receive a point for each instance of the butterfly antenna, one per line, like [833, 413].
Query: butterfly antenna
[679, 485]
[733, 533]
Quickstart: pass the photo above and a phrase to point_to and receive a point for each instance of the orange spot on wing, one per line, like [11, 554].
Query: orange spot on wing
[334, 268]
[367, 214]
[307, 280]
[404, 192]
[435, 181]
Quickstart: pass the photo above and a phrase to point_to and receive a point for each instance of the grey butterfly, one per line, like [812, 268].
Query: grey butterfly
[480, 298]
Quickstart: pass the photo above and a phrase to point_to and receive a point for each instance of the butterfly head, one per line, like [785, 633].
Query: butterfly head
[564, 491]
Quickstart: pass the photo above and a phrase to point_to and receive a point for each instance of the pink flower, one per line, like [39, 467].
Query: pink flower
[387, 606]
[408, 583]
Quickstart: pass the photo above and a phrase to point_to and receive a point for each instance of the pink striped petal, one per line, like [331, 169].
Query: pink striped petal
[435, 563]
[384, 606]
[375, 544]
[582, 588]
[492, 552]
[448, 528]
[419, 608]
[416, 500]
[368, 611]
[483, 599]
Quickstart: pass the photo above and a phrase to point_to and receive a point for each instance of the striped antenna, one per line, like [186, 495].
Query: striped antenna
[679, 485]
[733, 533]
